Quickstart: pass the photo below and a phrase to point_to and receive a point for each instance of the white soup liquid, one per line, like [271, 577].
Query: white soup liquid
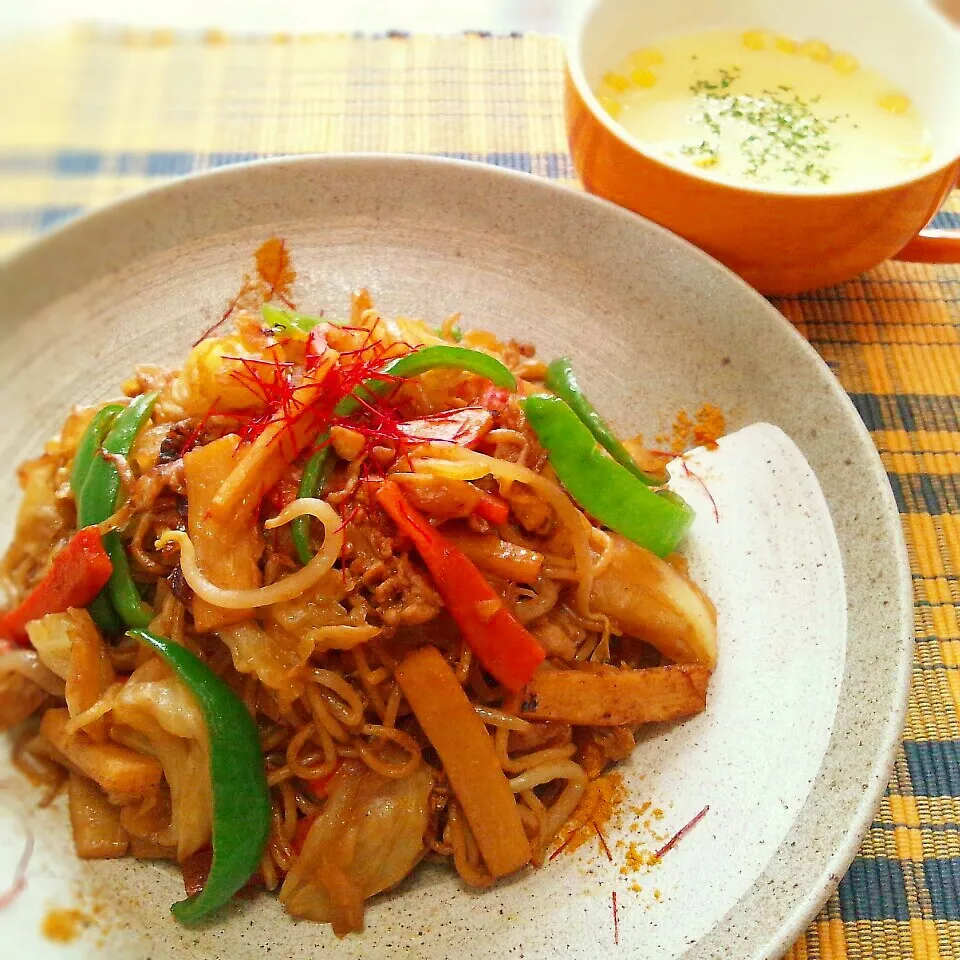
[755, 108]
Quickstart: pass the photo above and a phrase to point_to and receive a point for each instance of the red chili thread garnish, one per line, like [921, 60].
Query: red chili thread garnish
[694, 476]
[271, 379]
[603, 840]
[681, 833]
[616, 920]
[198, 429]
[563, 846]
[244, 290]
[19, 883]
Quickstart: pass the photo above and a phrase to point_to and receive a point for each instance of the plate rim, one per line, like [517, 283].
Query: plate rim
[800, 912]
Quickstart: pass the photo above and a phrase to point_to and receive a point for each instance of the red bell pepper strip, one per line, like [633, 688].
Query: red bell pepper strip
[492, 508]
[504, 647]
[465, 427]
[495, 399]
[77, 574]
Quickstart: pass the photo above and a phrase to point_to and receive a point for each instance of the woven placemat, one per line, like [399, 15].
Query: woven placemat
[97, 115]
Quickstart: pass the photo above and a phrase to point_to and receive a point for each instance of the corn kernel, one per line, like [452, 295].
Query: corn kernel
[647, 57]
[894, 103]
[757, 39]
[643, 78]
[816, 50]
[617, 82]
[785, 45]
[705, 162]
[612, 105]
[845, 63]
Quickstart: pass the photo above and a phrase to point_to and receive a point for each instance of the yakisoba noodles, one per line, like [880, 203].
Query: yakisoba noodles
[337, 596]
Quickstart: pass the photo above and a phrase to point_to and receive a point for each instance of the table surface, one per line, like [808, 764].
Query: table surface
[371, 16]
[109, 111]
[264, 16]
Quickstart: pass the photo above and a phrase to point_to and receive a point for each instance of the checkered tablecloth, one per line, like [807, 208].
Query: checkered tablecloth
[88, 117]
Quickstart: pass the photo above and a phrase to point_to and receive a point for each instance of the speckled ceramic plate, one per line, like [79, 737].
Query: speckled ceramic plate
[806, 707]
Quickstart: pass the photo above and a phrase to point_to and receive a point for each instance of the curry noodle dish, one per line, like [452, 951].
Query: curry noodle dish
[339, 595]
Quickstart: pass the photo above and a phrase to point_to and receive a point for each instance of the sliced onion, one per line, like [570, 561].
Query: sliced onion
[285, 589]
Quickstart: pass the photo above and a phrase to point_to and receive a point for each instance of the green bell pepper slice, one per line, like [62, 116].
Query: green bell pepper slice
[563, 382]
[89, 446]
[88, 449]
[241, 798]
[603, 487]
[316, 475]
[453, 358]
[296, 325]
[439, 357]
[98, 500]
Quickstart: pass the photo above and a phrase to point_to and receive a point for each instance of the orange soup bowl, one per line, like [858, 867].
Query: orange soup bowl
[780, 240]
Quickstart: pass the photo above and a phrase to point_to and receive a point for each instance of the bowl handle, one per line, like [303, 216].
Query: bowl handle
[933, 246]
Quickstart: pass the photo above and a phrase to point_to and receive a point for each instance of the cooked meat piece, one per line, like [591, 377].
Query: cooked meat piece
[540, 735]
[558, 635]
[397, 592]
[438, 496]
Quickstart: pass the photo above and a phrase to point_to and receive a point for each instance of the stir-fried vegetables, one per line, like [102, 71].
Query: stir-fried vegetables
[316, 473]
[21, 692]
[78, 573]
[492, 508]
[367, 839]
[89, 447]
[604, 488]
[439, 497]
[241, 802]
[439, 665]
[646, 597]
[290, 322]
[228, 548]
[499, 558]
[291, 586]
[118, 770]
[155, 713]
[466, 751]
[460, 426]
[608, 697]
[563, 382]
[465, 426]
[52, 637]
[452, 358]
[99, 498]
[503, 645]
[97, 831]
[264, 462]
[91, 672]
